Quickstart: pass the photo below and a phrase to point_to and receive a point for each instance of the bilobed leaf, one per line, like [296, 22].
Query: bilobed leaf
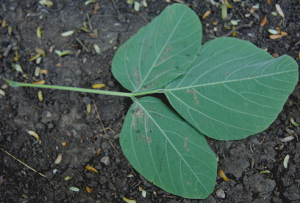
[167, 151]
[160, 51]
[233, 89]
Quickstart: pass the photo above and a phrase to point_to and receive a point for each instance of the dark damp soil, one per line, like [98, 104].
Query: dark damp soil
[61, 116]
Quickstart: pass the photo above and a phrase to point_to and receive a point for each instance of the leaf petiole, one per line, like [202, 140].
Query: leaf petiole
[77, 89]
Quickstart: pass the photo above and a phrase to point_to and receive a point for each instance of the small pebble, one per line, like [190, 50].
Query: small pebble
[220, 193]
[105, 160]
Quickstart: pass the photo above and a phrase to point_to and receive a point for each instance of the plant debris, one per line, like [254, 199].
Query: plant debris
[222, 175]
[91, 169]
[34, 134]
[286, 161]
[74, 189]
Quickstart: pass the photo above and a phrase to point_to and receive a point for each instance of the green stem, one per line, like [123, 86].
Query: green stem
[77, 89]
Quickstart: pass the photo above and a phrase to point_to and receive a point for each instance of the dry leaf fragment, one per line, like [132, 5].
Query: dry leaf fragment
[287, 139]
[207, 13]
[68, 33]
[97, 49]
[275, 36]
[3, 23]
[265, 171]
[292, 120]
[278, 8]
[283, 33]
[40, 51]
[228, 4]
[269, 2]
[63, 53]
[251, 10]
[88, 109]
[2, 92]
[38, 60]
[286, 161]
[40, 95]
[68, 178]
[89, 1]
[39, 32]
[223, 11]
[128, 200]
[37, 71]
[136, 6]
[263, 22]
[41, 82]
[16, 58]
[97, 86]
[9, 29]
[88, 189]
[46, 3]
[18, 68]
[98, 152]
[74, 189]
[91, 169]
[34, 134]
[273, 32]
[58, 159]
[222, 175]
[34, 58]
[43, 71]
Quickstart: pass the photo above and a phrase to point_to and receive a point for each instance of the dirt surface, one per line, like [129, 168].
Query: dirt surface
[61, 116]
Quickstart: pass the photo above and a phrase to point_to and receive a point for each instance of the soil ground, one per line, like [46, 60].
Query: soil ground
[61, 116]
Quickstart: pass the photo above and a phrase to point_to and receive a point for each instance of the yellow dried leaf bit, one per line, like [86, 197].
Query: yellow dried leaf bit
[91, 169]
[222, 175]
[68, 178]
[41, 82]
[40, 51]
[40, 95]
[97, 86]
[88, 109]
[128, 200]
[34, 58]
[68, 33]
[206, 14]
[88, 189]
[39, 32]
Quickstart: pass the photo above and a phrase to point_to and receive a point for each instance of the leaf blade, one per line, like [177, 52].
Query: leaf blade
[233, 89]
[179, 159]
[160, 51]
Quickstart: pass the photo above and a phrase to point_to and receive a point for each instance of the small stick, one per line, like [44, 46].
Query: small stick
[262, 140]
[24, 163]
[83, 46]
[89, 20]
[104, 129]
[143, 17]
[250, 147]
[115, 6]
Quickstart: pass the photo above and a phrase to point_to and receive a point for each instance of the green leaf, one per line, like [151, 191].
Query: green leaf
[160, 51]
[233, 89]
[167, 151]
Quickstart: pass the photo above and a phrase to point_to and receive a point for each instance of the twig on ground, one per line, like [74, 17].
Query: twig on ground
[143, 18]
[24, 163]
[89, 21]
[83, 46]
[104, 129]
[115, 6]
